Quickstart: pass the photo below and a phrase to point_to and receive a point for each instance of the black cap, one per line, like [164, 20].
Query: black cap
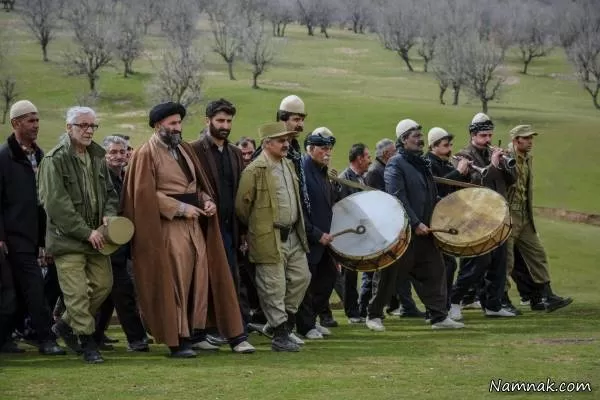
[164, 110]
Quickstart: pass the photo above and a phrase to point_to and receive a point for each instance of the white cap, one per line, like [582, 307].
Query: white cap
[436, 134]
[479, 118]
[21, 108]
[325, 132]
[404, 126]
[292, 104]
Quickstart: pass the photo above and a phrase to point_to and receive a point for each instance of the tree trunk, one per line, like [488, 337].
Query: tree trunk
[310, 30]
[484, 106]
[275, 29]
[404, 55]
[283, 30]
[230, 70]
[324, 31]
[355, 26]
[4, 112]
[92, 82]
[254, 80]
[45, 52]
[442, 92]
[596, 103]
[526, 65]
[426, 64]
[456, 89]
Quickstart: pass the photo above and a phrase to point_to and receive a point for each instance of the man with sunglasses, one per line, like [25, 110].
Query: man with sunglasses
[268, 202]
[78, 194]
[408, 177]
[323, 194]
[488, 270]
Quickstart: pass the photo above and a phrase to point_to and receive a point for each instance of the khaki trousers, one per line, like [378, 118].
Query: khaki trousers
[281, 287]
[529, 245]
[86, 281]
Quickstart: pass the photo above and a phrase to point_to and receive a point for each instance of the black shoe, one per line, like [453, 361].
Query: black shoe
[284, 343]
[416, 313]
[508, 305]
[64, 331]
[551, 303]
[105, 346]
[178, 352]
[91, 354]
[216, 340]
[138, 345]
[51, 348]
[10, 347]
[329, 322]
[106, 339]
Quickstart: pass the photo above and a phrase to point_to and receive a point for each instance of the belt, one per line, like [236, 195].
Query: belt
[284, 231]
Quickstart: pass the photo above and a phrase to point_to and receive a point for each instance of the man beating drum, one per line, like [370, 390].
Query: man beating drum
[408, 177]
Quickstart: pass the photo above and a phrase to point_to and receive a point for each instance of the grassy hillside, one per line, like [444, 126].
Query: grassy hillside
[349, 84]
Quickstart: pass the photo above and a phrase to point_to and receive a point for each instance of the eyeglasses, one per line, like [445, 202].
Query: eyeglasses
[85, 127]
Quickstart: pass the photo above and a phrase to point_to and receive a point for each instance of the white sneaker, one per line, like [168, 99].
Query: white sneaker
[204, 345]
[455, 312]
[396, 312]
[355, 320]
[323, 330]
[375, 325]
[313, 334]
[503, 312]
[525, 302]
[294, 338]
[244, 348]
[476, 305]
[448, 323]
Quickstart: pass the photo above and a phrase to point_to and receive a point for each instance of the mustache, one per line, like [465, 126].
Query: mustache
[299, 129]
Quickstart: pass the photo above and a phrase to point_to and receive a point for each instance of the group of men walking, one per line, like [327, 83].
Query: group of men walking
[231, 239]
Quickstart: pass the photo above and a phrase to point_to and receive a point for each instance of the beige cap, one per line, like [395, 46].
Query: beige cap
[522, 131]
[436, 134]
[21, 108]
[292, 104]
[406, 125]
[273, 130]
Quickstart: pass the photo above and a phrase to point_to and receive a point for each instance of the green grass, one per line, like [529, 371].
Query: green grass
[360, 91]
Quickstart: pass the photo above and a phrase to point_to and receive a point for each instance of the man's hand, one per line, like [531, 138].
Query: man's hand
[105, 221]
[190, 211]
[326, 238]
[422, 230]
[96, 239]
[497, 157]
[210, 208]
[463, 166]
[41, 257]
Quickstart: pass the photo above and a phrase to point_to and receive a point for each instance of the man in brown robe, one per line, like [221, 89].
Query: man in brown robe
[180, 266]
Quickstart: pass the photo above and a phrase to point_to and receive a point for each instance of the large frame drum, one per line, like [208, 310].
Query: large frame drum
[385, 239]
[481, 216]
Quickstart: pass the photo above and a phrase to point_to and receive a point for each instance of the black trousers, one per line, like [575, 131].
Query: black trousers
[30, 294]
[316, 299]
[491, 270]
[350, 279]
[123, 299]
[451, 267]
[8, 301]
[423, 264]
[402, 295]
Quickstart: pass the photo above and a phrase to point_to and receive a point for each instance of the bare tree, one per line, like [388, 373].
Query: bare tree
[227, 23]
[317, 13]
[42, 18]
[179, 77]
[448, 65]
[280, 13]
[93, 24]
[9, 5]
[258, 50]
[129, 41]
[481, 60]
[178, 22]
[396, 27]
[533, 31]
[8, 83]
[148, 11]
[358, 13]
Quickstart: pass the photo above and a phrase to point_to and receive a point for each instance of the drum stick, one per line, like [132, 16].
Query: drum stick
[451, 231]
[360, 229]
[350, 183]
[452, 182]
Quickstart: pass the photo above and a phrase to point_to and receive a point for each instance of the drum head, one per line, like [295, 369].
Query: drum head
[477, 214]
[381, 214]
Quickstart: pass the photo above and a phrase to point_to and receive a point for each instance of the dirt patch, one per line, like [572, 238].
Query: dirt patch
[560, 341]
[214, 73]
[349, 51]
[127, 126]
[332, 71]
[282, 83]
[567, 215]
[132, 114]
[512, 80]
[563, 77]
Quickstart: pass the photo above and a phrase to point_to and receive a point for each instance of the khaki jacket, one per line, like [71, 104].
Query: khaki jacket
[62, 195]
[529, 185]
[257, 207]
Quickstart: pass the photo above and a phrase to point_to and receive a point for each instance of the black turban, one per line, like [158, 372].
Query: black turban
[164, 110]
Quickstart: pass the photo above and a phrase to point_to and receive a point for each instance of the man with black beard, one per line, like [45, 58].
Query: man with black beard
[408, 177]
[223, 164]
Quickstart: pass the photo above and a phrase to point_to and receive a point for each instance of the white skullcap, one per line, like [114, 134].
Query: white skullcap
[21, 108]
[436, 134]
[404, 126]
[323, 131]
[479, 118]
[292, 104]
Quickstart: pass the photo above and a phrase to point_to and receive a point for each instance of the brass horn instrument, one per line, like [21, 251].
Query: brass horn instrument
[482, 171]
[508, 160]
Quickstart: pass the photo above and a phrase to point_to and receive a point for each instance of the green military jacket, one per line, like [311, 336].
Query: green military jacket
[529, 185]
[67, 206]
[257, 207]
